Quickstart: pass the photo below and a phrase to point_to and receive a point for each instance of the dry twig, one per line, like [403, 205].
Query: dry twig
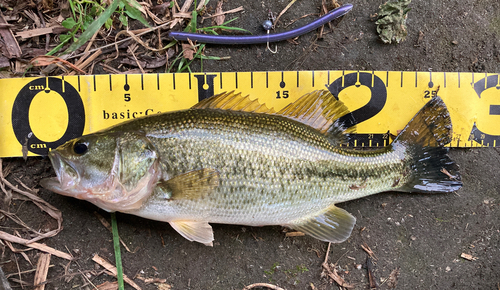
[333, 273]
[270, 286]
[112, 269]
[34, 245]
[105, 223]
[42, 204]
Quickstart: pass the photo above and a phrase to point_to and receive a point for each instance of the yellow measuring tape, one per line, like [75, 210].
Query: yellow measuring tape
[42, 113]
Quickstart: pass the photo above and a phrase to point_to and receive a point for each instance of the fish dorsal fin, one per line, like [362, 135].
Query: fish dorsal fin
[320, 110]
[191, 185]
[200, 232]
[233, 102]
[335, 225]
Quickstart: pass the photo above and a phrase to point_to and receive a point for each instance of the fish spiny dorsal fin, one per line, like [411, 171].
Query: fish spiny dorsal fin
[320, 110]
[233, 102]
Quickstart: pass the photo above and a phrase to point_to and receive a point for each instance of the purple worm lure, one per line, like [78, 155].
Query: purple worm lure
[265, 38]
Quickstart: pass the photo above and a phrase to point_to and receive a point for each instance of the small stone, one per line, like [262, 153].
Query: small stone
[448, 269]
[413, 238]
[454, 42]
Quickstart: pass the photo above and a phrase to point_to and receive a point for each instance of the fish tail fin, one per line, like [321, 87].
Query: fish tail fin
[430, 168]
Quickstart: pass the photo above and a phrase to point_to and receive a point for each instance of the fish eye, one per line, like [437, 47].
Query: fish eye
[80, 148]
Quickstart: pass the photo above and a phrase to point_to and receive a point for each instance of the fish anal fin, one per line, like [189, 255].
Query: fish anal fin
[321, 111]
[335, 225]
[234, 102]
[191, 185]
[196, 231]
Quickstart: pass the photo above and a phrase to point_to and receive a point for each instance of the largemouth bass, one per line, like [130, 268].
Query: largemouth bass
[231, 160]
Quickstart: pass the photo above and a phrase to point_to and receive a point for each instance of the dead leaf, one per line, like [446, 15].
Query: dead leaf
[12, 49]
[392, 281]
[188, 51]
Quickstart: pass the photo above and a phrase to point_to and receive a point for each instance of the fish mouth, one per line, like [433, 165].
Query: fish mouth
[67, 177]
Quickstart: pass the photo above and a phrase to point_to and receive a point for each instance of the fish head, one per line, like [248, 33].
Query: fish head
[115, 171]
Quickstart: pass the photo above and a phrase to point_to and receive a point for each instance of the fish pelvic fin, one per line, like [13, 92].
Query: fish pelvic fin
[334, 225]
[430, 168]
[321, 111]
[196, 231]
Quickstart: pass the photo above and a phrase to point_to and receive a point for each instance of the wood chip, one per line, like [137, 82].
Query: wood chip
[295, 234]
[468, 257]
[219, 19]
[34, 32]
[38, 246]
[42, 268]
[112, 269]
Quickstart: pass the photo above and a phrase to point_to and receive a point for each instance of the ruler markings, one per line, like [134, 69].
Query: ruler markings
[484, 136]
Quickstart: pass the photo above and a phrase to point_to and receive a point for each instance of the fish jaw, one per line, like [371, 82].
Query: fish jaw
[67, 177]
[110, 195]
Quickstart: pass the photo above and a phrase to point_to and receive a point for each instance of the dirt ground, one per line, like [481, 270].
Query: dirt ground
[422, 236]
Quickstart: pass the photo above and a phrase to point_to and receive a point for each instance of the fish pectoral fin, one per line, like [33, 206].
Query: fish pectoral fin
[200, 232]
[191, 185]
[233, 102]
[335, 225]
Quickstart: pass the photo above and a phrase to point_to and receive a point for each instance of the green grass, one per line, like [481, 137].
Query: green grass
[88, 16]
[118, 256]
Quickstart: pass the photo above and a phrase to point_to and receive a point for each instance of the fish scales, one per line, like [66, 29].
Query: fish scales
[232, 160]
[271, 168]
